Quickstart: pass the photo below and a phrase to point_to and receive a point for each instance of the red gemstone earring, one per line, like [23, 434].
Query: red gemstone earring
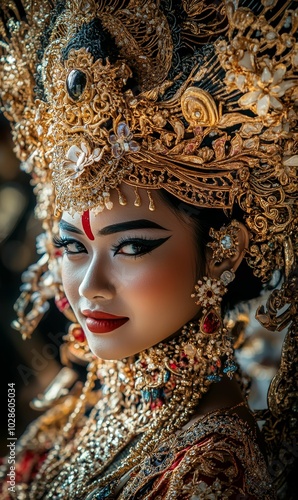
[208, 294]
[75, 348]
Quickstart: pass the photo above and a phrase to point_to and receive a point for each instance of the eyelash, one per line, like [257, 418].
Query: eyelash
[64, 242]
[146, 245]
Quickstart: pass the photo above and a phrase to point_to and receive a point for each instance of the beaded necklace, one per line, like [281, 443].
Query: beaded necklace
[142, 402]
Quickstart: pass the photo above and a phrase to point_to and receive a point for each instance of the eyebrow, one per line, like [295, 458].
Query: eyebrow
[69, 227]
[115, 228]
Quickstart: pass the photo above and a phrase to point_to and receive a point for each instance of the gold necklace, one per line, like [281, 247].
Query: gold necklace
[152, 398]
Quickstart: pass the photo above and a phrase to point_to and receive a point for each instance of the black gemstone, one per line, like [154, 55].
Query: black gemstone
[76, 83]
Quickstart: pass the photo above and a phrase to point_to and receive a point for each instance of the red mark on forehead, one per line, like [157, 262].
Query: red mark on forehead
[86, 225]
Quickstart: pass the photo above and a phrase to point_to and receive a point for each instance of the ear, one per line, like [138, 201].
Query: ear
[215, 269]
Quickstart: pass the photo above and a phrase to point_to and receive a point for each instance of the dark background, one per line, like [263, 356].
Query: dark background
[30, 364]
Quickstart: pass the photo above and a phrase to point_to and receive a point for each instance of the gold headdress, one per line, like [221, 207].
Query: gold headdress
[214, 127]
[199, 99]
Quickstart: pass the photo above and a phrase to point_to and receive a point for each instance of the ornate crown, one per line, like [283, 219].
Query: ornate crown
[199, 99]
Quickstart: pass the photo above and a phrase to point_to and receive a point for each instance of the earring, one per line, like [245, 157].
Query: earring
[194, 359]
[227, 277]
[208, 294]
[75, 347]
[226, 241]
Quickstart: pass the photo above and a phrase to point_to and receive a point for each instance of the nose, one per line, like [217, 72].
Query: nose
[96, 282]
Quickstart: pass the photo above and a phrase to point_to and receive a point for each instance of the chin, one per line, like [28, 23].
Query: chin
[111, 354]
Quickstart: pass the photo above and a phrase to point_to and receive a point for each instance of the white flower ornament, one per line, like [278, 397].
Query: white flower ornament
[268, 88]
[79, 158]
[208, 292]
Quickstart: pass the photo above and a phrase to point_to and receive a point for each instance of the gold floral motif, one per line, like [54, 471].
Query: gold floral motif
[267, 89]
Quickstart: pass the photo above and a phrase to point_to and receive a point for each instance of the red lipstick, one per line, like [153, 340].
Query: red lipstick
[101, 322]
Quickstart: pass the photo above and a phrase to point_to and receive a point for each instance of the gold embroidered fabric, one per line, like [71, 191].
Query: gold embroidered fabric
[216, 458]
[217, 455]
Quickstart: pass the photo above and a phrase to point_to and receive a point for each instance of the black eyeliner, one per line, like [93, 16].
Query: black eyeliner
[148, 243]
[61, 242]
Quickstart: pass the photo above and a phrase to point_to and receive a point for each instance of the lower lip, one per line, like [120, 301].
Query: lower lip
[104, 325]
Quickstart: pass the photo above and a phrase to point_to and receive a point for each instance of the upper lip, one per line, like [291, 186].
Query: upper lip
[100, 315]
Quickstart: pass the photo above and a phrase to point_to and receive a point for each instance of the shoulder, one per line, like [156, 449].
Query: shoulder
[221, 457]
[217, 457]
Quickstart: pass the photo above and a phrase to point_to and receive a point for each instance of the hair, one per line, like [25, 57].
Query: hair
[246, 286]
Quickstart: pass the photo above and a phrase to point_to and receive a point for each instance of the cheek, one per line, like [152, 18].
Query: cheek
[70, 280]
[161, 282]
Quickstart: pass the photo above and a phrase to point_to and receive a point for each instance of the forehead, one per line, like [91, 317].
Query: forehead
[163, 214]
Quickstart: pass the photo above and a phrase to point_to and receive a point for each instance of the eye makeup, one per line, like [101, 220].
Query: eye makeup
[141, 245]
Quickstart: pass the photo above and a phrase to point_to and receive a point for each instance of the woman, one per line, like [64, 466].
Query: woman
[163, 141]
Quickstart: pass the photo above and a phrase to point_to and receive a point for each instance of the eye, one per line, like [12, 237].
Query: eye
[137, 246]
[134, 249]
[71, 246]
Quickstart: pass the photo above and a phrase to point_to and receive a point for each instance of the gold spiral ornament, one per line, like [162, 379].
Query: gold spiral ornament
[199, 108]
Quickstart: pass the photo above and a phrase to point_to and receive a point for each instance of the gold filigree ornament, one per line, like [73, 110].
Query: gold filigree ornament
[208, 294]
[199, 108]
[226, 241]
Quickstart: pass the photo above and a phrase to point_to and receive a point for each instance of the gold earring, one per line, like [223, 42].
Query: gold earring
[208, 294]
[226, 241]
[75, 347]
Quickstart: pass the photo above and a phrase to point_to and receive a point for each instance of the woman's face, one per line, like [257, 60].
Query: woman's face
[130, 287]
